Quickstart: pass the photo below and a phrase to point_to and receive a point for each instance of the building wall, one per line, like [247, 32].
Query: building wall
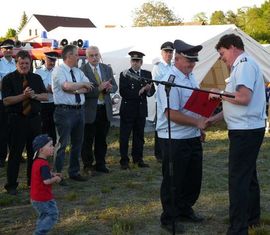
[31, 30]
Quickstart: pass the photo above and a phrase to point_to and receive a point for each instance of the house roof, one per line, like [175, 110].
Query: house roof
[52, 22]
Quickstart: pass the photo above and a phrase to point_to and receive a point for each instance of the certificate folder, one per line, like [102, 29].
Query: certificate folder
[199, 103]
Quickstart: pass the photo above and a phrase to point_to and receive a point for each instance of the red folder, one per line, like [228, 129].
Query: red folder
[199, 103]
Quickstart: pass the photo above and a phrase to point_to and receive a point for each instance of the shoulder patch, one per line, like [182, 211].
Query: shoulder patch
[243, 60]
[157, 63]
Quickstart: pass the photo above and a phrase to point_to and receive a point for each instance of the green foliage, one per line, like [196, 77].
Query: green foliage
[218, 17]
[201, 18]
[154, 14]
[11, 33]
[24, 20]
[255, 21]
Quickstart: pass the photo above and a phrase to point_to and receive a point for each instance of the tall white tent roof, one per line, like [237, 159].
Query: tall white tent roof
[115, 43]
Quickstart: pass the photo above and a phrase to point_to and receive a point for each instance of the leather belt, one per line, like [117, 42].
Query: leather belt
[66, 106]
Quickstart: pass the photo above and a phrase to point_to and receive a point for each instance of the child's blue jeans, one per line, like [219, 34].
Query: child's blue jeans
[47, 216]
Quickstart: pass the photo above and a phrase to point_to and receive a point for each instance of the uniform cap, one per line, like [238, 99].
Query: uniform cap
[53, 55]
[7, 43]
[136, 55]
[186, 50]
[40, 141]
[167, 46]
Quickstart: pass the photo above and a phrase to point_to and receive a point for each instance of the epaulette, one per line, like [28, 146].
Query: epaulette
[157, 63]
[243, 60]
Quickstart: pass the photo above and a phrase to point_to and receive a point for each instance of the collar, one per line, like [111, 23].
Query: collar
[93, 67]
[165, 63]
[8, 62]
[239, 59]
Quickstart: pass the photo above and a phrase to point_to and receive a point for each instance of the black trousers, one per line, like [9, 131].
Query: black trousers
[187, 175]
[3, 133]
[136, 126]
[47, 120]
[244, 190]
[95, 135]
[22, 131]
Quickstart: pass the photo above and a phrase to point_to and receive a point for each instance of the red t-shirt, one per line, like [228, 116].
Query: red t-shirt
[40, 172]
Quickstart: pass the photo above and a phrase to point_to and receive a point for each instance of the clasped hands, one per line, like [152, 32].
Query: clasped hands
[29, 93]
[146, 88]
[105, 86]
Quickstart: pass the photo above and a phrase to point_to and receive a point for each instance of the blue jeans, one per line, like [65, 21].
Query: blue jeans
[69, 126]
[47, 216]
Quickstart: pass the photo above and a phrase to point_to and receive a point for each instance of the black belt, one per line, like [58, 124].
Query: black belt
[66, 106]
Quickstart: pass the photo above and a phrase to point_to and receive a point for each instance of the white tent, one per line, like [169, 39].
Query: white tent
[115, 43]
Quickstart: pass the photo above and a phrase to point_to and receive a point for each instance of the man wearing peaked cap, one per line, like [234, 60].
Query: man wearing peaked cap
[136, 55]
[188, 51]
[133, 110]
[7, 65]
[53, 55]
[47, 107]
[167, 46]
[186, 133]
[7, 43]
[160, 69]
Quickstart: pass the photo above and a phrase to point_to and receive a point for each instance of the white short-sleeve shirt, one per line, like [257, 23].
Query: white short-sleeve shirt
[178, 98]
[246, 72]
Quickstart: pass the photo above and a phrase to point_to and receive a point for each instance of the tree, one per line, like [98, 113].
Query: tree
[24, 20]
[231, 17]
[218, 17]
[257, 23]
[11, 33]
[154, 14]
[200, 17]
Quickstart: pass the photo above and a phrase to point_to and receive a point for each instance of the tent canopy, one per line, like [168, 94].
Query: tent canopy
[115, 43]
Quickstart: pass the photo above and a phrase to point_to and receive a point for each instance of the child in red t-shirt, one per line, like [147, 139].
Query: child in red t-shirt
[41, 185]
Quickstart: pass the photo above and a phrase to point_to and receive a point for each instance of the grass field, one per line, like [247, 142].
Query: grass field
[127, 202]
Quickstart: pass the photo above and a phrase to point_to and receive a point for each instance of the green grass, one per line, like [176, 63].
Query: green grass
[128, 203]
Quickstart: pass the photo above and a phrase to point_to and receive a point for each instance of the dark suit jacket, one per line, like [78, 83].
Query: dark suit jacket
[91, 98]
[133, 105]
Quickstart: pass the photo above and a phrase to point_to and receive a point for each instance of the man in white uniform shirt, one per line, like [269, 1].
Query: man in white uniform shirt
[245, 117]
[7, 65]
[47, 107]
[160, 69]
[69, 85]
[186, 131]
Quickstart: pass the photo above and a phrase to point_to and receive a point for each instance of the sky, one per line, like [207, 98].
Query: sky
[111, 12]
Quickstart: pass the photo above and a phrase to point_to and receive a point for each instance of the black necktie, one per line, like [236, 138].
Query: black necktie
[77, 96]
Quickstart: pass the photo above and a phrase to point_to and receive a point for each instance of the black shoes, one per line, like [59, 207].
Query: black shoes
[192, 217]
[102, 169]
[78, 178]
[11, 190]
[179, 228]
[125, 166]
[141, 164]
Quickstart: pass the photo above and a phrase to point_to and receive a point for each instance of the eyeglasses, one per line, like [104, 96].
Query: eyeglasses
[93, 55]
